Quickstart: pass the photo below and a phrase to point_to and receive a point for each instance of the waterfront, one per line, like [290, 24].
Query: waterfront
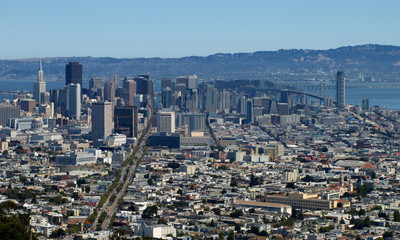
[387, 96]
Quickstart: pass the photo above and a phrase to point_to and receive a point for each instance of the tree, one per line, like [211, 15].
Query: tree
[150, 212]
[231, 235]
[290, 185]
[238, 229]
[236, 213]
[75, 195]
[180, 192]
[254, 180]
[361, 212]
[57, 233]
[308, 178]
[255, 230]
[163, 221]
[396, 216]
[217, 211]
[367, 222]
[252, 210]
[221, 236]
[212, 223]
[150, 182]
[234, 183]
[81, 181]
[387, 235]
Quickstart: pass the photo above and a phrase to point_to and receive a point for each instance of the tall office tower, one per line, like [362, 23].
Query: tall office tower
[284, 96]
[166, 83]
[39, 87]
[340, 89]
[195, 121]
[115, 79]
[73, 73]
[303, 99]
[249, 111]
[126, 120]
[210, 98]
[101, 120]
[225, 101]
[144, 86]
[365, 103]
[241, 108]
[166, 97]
[166, 122]
[129, 91]
[109, 90]
[182, 81]
[74, 100]
[55, 97]
[8, 111]
[192, 82]
[190, 100]
[95, 82]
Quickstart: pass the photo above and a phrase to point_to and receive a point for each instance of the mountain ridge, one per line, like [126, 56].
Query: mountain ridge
[379, 61]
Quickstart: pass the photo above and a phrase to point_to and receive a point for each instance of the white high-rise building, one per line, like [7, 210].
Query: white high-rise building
[192, 82]
[166, 122]
[39, 87]
[74, 100]
[102, 123]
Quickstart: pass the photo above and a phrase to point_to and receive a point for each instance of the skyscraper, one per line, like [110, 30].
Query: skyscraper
[241, 107]
[284, 96]
[95, 82]
[129, 91]
[109, 90]
[115, 79]
[144, 86]
[210, 98]
[166, 82]
[101, 120]
[39, 87]
[365, 103]
[249, 111]
[166, 97]
[73, 73]
[126, 120]
[340, 89]
[182, 80]
[192, 82]
[74, 100]
[166, 122]
[8, 111]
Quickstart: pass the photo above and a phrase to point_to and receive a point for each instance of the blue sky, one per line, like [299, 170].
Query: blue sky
[169, 28]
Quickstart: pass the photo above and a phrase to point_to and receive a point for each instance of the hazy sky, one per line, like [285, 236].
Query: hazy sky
[169, 28]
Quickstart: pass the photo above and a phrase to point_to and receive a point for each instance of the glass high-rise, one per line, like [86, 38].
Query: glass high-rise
[340, 89]
[73, 73]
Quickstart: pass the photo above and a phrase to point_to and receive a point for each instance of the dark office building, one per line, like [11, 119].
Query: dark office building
[284, 96]
[144, 86]
[28, 105]
[73, 73]
[166, 83]
[164, 139]
[126, 120]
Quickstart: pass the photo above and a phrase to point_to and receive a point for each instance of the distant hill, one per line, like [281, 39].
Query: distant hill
[379, 61]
